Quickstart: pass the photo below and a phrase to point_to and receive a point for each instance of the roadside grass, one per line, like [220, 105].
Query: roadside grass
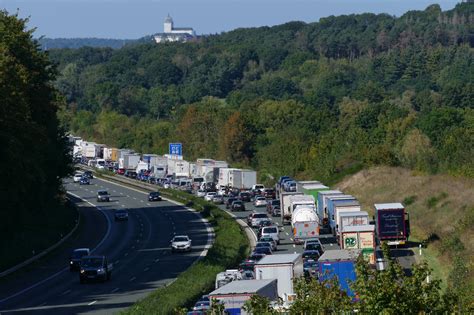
[441, 209]
[36, 233]
[229, 248]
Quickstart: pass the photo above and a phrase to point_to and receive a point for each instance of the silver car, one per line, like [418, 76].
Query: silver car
[181, 243]
[260, 202]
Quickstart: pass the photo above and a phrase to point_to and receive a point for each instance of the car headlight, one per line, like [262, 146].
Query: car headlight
[71, 262]
[82, 271]
[100, 270]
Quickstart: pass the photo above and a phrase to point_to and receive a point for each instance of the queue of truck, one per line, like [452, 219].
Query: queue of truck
[311, 209]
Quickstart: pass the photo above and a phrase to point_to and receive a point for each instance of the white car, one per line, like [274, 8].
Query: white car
[201, 193]
[180, 243]
[209, 196]
[260, 202]
[77, 177]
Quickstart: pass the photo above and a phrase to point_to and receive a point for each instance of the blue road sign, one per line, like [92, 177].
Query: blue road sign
[176, 149]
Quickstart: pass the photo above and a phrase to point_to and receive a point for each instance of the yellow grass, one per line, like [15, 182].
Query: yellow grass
[442, 205]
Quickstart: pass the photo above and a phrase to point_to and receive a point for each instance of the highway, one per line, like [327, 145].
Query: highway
[138, 248]
[404, 255]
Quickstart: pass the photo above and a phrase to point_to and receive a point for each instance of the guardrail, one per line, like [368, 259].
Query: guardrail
[46, 251]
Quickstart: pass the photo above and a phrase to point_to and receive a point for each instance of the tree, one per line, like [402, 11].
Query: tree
[417, 152]
[391, 291]
[30, 133]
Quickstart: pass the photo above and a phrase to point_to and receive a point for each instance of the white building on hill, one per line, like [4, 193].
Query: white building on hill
[174, 34]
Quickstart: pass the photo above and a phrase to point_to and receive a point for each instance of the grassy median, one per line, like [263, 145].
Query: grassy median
[229, 248]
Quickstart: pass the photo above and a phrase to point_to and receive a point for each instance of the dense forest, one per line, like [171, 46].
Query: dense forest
[34, 153]
[54, 43]
[309, 100]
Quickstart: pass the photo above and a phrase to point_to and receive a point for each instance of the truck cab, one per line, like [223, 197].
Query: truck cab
[95, 268]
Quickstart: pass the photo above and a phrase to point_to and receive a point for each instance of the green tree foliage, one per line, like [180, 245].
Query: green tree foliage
[391, 291]
[34, 151]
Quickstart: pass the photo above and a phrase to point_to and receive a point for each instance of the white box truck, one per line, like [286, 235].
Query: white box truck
[359, 237]
[234, 294]
[285, 209]
[352, 218]
[130, 161]
[336, 206]
[283, 267]
[321, 202]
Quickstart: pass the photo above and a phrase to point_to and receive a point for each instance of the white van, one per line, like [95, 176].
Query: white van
[271, 231]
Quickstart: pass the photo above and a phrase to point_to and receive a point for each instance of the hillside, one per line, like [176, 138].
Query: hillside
[441, 209]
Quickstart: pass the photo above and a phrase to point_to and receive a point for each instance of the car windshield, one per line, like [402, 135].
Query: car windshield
[181, 239]
[91, 262]
[310, 264]
[310, 254]
[153, 194]
[266, 239]
[211, 194]
[244, 194]
[263, 244]
[270, 230]
[237, 202]
[102, 193]
[261, 198]
[276, 202]
[312, 246]
[259, 215]
[263, 250]
[79, 253]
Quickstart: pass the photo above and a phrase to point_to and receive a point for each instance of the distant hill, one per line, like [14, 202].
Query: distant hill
[52, 43]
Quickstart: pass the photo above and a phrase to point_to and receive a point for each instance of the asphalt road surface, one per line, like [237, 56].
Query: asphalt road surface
[138, 248]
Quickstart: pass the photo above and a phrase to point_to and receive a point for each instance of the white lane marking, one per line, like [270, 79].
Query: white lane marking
[157, 260]
[114, 290]
[65, 292]
[294, 245]
[287, 233]
[116, 262]
[295, 252]
[121, 193]
[134, 198]
[128, 196]
[132, 279]
[93, 302]
[148, 204]
[146, 269]
[109, 226]
[126, 254]
[142, 201]
[114, 190]
[123, 206]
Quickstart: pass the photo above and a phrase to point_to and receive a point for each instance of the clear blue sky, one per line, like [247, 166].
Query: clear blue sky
[129, 19]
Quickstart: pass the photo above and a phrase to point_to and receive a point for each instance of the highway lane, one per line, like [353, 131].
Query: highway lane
[286, 242]
[139, 249]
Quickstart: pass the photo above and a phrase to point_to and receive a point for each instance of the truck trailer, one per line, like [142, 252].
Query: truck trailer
[304, 223]
[234, 294]
[359, 237]
[336, 205]
[340, 263]
[285, 206]
[351, 218]
[392, 223]
[321, 202]
[283, 267]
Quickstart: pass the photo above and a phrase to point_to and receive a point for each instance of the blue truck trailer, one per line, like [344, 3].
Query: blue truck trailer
[339, 263]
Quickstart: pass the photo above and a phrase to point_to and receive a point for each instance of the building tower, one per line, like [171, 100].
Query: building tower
[168, 25]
